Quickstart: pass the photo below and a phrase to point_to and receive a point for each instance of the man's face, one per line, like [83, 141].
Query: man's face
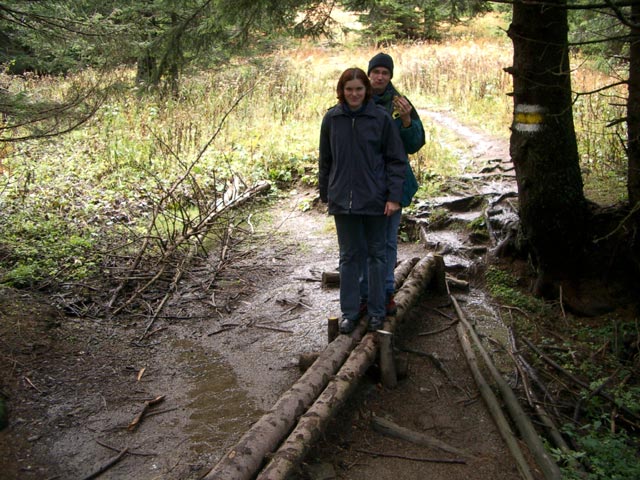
[380, 78]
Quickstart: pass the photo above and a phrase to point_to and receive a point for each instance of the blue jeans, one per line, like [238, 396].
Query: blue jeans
[393, 224]
[362, 237]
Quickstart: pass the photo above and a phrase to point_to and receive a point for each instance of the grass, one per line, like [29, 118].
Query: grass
[599, 351]
[258, 119]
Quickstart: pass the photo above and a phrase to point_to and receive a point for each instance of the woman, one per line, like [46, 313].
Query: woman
[361, 174]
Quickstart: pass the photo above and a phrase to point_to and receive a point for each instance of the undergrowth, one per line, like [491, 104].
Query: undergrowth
[598, 417]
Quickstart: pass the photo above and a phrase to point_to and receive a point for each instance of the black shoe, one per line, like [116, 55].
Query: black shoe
[347, 325]
[375, 323]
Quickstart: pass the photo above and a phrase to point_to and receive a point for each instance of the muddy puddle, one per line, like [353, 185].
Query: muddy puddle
[220, 407]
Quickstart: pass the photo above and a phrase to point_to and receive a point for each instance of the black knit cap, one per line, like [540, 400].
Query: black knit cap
[381, 60]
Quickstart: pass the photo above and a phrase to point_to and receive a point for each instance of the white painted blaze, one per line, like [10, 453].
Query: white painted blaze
[528, 118]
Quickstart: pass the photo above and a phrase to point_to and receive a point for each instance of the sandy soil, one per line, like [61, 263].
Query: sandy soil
[223, 352]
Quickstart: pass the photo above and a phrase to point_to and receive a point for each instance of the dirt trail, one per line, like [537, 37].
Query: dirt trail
[222, 355]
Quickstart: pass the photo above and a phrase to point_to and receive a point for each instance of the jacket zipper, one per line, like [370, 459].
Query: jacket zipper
[353, 131]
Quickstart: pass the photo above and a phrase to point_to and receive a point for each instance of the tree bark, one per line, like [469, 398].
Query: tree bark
[633, 109]
[387, 361]
[553, 213]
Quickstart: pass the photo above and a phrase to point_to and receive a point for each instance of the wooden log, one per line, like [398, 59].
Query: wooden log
[423, 274]
[247, 456]
[333, 329]
[494, 407]
[387, 362]
[289, 456]
[457, 283]
[391, 429]
[548, 466]
[330, 279]
[403, 270]
[305, 360]
[244, 459]
[439, 280]
[313, 423]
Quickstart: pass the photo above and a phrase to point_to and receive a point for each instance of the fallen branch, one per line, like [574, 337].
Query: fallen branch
[169, 194]
[173, 286]
[391, 429]
[439, 330]
[192, 236]
[107, 465]
[457, 283]
[406, 457]
[147, 405]
[274, 329]
[532, 398]
[494, 407]
[577, 381]
[137, 454]
[439, 365]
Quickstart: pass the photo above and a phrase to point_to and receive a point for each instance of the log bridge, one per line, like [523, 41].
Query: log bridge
[286, 433]
[275, 446]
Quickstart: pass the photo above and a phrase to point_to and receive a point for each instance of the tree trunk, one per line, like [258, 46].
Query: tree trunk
[553, 213]
[145, 68]
[633, 109]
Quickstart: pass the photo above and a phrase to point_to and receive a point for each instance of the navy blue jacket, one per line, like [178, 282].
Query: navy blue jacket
[362, 160]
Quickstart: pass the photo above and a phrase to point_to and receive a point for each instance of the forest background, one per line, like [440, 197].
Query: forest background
[128, 123]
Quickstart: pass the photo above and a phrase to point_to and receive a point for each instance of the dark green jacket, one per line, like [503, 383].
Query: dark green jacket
[413, 139]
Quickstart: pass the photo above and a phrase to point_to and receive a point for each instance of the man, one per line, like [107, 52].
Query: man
[380, 73]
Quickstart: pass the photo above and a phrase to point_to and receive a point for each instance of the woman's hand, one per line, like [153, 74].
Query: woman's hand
[390, 208]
